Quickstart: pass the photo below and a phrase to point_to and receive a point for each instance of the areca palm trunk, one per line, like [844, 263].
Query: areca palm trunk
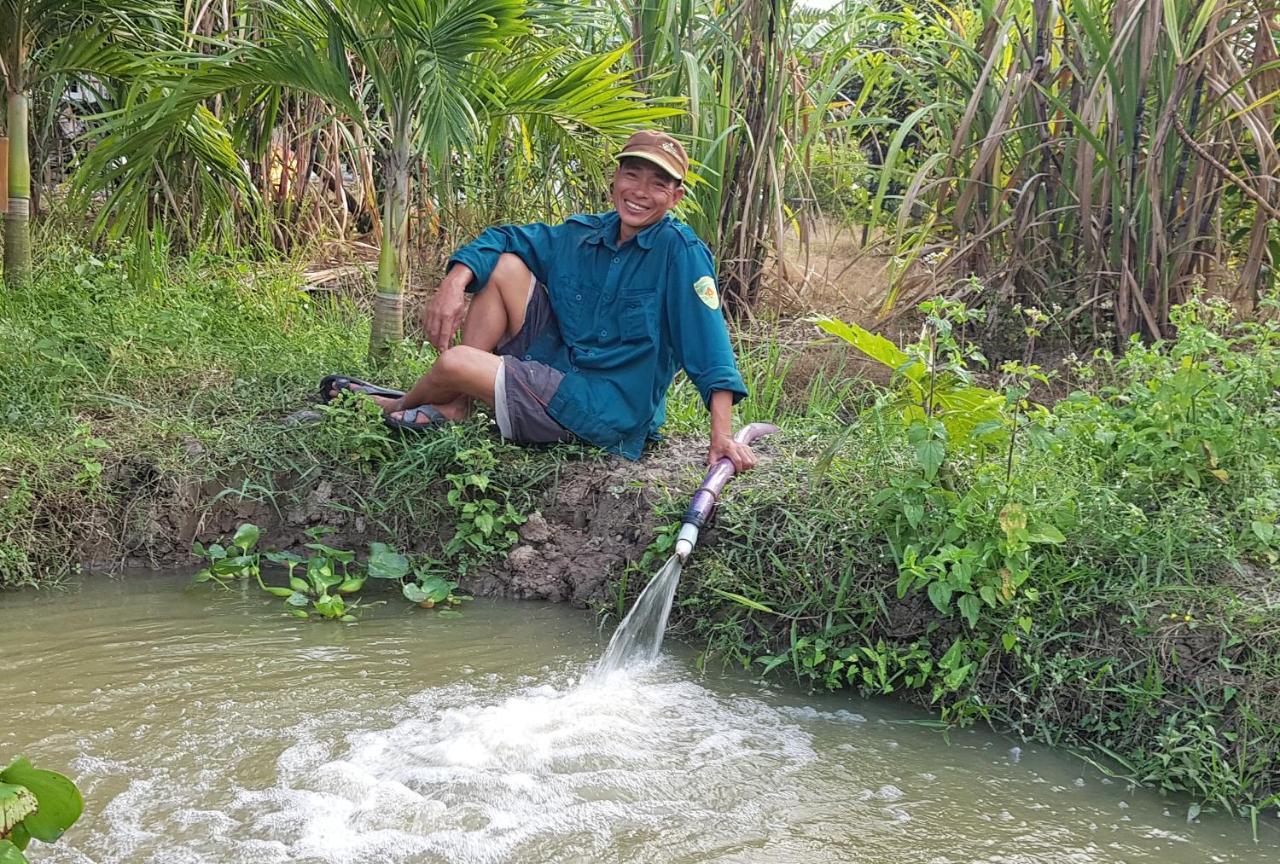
[17, 220]
[388, 303]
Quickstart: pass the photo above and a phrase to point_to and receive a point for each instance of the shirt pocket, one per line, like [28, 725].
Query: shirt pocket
[635, 323]
[569, 304]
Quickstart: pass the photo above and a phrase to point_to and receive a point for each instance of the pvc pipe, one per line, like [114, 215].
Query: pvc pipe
[708, 494]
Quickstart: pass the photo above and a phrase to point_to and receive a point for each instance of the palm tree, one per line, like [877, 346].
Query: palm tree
[39, 41]
[422, 78]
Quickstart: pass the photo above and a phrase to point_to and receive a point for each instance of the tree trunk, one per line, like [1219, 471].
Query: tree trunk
[17, 220]
[388, 303]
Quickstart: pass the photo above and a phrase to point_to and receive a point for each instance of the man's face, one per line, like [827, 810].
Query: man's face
[642, 194]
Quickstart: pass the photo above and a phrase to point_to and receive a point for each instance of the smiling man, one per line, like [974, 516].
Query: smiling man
[577, 329]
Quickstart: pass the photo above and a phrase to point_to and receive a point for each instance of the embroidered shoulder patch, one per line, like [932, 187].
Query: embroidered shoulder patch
[705, 288]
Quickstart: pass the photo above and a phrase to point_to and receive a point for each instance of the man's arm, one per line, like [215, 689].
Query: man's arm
[722, 443]
[470, 267]
[442, 316]
[701, 343]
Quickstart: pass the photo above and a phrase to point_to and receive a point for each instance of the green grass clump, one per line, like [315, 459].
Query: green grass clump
[1101, 575]
[122, 395]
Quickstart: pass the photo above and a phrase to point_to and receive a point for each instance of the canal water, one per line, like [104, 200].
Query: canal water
[203, 726]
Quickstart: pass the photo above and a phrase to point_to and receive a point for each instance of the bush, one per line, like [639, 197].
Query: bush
[1094, 575]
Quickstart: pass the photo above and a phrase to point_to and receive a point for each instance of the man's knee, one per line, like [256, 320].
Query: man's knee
[511, 272]
[455, 362]
[468, 370]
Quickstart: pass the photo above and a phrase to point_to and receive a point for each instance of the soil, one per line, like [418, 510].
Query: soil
[594, 518]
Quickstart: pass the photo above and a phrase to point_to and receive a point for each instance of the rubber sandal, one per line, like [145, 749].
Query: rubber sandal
[407, 422]
[345, 382]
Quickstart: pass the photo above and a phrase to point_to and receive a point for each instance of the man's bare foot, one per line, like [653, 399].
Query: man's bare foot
[387, 404]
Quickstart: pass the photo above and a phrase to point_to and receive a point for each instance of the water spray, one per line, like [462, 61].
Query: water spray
[708, 494]
[638, 638]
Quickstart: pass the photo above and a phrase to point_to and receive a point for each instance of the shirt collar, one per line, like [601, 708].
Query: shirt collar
[607, 233]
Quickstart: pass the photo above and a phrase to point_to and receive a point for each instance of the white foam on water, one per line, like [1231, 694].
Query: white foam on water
[484, 772]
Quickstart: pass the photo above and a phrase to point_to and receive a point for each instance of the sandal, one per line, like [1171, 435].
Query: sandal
[345, 382]
[409, 417]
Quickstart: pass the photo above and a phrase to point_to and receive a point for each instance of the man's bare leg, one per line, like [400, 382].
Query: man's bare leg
[467, 371]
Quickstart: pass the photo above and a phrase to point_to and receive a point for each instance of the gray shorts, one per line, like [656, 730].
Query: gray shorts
[523, 388]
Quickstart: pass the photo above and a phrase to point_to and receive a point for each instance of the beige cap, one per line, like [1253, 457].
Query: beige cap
[660, 149]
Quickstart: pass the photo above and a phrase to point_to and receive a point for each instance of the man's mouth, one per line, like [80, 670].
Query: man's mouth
[634, 208]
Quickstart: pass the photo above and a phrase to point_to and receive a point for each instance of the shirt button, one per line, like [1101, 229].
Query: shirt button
[616, 259]
[577, 296]
[573, 368]
[528, 356]
[604, 333]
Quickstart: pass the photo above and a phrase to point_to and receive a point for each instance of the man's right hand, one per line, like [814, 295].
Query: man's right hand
[442, 316]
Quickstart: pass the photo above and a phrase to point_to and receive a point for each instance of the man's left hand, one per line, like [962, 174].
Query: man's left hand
[742, 457]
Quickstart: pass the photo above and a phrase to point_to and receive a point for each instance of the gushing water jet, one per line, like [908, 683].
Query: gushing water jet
[639, 637]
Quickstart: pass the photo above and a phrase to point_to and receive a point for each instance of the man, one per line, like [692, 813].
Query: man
[578, 329]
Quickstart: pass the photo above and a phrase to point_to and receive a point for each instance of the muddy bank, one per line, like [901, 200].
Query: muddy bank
[590, 518]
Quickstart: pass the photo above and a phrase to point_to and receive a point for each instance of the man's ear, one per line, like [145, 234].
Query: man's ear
[678, 196]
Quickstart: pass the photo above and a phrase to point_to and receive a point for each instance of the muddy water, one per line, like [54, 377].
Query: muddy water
[203, 727]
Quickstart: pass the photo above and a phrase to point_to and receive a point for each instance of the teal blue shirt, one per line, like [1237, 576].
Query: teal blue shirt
[630, 315]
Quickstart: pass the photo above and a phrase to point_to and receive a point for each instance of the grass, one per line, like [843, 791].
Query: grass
[1121, 553]
[120, 396]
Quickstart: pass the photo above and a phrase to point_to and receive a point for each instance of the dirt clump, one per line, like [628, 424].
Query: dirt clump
[591, 520]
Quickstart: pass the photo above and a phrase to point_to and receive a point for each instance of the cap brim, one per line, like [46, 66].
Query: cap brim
[651, 157]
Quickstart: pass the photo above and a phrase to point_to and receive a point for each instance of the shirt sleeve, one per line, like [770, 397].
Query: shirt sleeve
[533, 243]
[699, 335]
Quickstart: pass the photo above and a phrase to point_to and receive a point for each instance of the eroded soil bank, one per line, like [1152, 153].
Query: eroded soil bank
[590, 518]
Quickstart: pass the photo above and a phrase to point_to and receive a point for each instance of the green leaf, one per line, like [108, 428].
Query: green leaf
[873, 345]
[246, 536]
[956, 677]
[485, 523]
[988, 593]
[437, 588]
[298, 599]
[1008, 640]
[348, 619]
[351, 585]
[744, 601]
[930, 453]
[203, 576]
[238, 565]
[987, 427]
[940, 595]
[283, 558]
[299, 613]
[386, 563]
[1025, 623]
[341, 555]
[413, 593]
[1264, 531]
[277, 591]
[59, 801]
[969, 607]
[16, 803]
[331, 606]
[297, 583]
[1045, 534]
[320, 572]
[448, 613]
[10, 854]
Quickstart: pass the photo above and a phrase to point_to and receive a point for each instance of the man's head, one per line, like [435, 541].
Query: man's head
[649, 180]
